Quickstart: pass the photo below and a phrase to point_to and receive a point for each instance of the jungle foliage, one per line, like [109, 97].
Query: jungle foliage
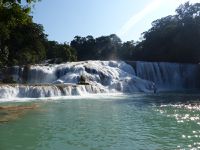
[174, 38]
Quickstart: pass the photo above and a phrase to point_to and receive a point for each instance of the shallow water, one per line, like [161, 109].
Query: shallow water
[113, 122]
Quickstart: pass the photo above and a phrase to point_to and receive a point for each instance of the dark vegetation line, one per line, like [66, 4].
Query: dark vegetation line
[172, 38]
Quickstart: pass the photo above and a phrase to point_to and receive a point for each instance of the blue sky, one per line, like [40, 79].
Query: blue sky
[64, 19]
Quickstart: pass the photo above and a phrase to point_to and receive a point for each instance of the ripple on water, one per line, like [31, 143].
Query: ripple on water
[117, 122]
[187, 117]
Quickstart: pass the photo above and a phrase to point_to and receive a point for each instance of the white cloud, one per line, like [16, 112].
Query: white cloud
[153, 5]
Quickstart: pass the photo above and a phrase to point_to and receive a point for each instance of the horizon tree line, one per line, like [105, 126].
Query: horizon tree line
[174, 38]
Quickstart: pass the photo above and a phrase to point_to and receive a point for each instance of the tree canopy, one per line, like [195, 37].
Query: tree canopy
[102, 48]
[24, 42]
[174, 38]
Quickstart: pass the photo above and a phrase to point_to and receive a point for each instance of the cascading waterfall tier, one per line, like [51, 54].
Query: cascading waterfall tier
[47, 80]
[168, 76]
[101, 77]
[37, 91]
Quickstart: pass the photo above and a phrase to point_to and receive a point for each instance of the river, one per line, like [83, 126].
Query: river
[104, 122]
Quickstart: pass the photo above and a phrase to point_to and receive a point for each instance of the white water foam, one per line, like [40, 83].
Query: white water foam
[102, 76]
[61, 80]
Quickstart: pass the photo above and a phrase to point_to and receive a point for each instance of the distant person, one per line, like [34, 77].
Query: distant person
[154, 88]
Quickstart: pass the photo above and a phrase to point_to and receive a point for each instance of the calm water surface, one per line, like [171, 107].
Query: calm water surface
[121, 122]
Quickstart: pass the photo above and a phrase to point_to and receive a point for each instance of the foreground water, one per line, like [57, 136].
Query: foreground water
[114, 122]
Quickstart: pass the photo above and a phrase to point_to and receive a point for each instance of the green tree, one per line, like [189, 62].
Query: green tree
[19, 36]
[60, 52]
[10, 17]
[26, 44]
[102, 48]
[173, 38]
[126, 50]
[85, 47]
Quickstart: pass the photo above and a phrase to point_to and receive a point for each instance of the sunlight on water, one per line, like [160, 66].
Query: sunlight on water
[187, 116]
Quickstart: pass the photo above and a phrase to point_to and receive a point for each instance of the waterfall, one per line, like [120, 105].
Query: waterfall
[169, 75]
[61, 80]
[101, 77]
[37, 91]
